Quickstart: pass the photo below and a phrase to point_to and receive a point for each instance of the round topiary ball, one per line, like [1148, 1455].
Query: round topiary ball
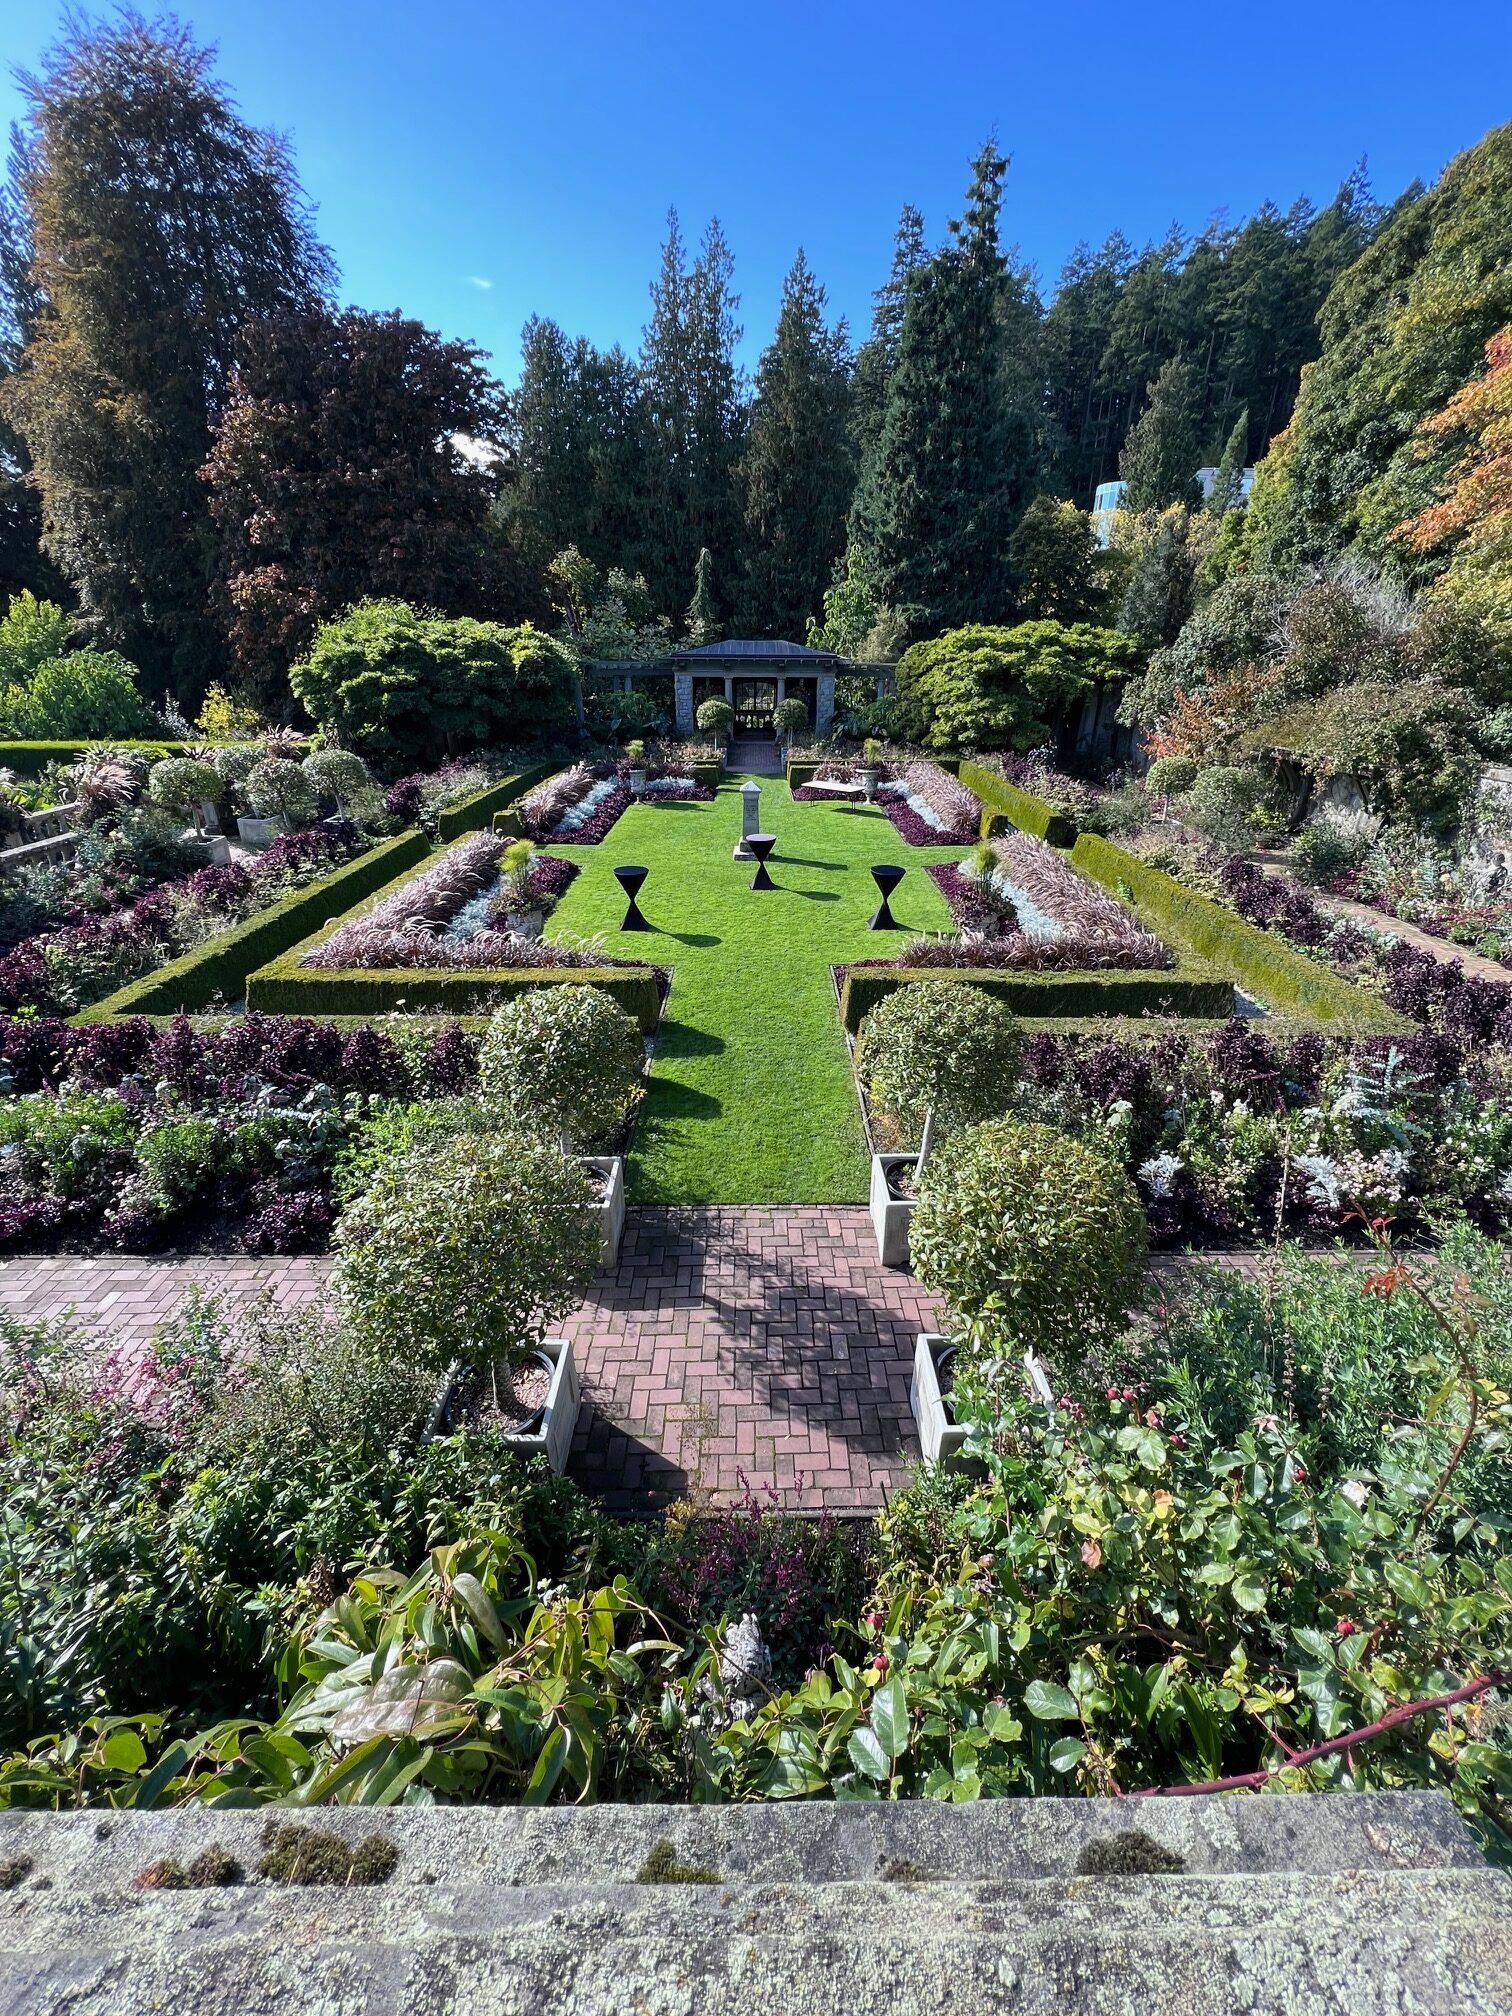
[564, 1061]
[716, 717]
[940, 1043]
[466, 1249]
[337, 774]
[279, 789]
[1169, 776]
[1036, 1240]
[179, 784]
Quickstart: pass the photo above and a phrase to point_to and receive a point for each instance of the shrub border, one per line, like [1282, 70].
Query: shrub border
[1258, 961]
[1002, 800]
[285, 987]
[1193, 991]
[220, 968]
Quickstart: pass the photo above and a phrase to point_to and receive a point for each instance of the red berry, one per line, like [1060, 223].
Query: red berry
[1346, 1629]
[1128, 1392]
[1112, 1392]
[880, 1662]
[1178, 1441]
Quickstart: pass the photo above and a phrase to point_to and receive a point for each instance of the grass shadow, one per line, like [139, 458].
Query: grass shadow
[817, 895]
[681, 1039]
[697, 938]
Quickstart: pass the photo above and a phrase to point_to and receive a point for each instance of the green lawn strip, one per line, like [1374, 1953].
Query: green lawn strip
[751, 1099]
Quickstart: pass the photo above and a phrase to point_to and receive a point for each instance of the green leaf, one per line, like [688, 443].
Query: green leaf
[889, 1717]
[867, 1754]
[1249, 1591]
[1067, 1753]
[1047, 1702]
[166, 1769]
[123, 1750]
[543, 1780]
[1409, 1585]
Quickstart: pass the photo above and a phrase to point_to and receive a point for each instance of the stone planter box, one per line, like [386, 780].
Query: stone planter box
[260, 832]
[553, 1439]
[939, 1437]
[612, 1209]
[220, 850]
[890, 1215]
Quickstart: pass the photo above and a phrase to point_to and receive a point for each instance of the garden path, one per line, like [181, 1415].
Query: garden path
[1476, 964]
[751, 1099]
[730, 1348]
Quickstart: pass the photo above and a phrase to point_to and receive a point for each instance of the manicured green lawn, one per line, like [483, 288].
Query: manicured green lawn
[751, 1099]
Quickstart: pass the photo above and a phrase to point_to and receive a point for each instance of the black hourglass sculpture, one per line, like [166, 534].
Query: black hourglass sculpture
[887, 879]
[630, 880]
[761, 844]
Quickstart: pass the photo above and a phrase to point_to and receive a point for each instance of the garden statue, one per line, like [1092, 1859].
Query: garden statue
[745, 1671]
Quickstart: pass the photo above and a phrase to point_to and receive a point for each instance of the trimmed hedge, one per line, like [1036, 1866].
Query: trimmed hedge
[1258, 961]
[472, 815]
[287, 988]
[802, 773]
[30, 759]
[220, 968]
[1192, 990]
[1004, 801]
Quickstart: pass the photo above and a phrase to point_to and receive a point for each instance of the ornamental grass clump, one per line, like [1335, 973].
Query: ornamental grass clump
[564, 1062]
[943, 1045]
[466, 1251]
[1036, 1240]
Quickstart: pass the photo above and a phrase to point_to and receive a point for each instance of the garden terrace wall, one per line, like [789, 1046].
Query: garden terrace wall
[474, 813]
[220, 969]
[1193, 990]
[1002, 800]
[1259, 962]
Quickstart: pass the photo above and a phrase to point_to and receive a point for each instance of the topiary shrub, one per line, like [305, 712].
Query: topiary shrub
[1222, 804]
[942, 1045]
[279, 789]
[716, 717]
[340, 775]
[466, 1250]
[1037, 1241]
[789, 718]
[1169, 776]
[180, 785]
[566, 1062]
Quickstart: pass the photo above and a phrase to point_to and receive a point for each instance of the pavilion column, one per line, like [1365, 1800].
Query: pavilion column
[730, 687]
[781, 689]
[824, 702]
[682, 686]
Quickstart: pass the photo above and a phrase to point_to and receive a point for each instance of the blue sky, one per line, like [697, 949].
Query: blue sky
[472, 163]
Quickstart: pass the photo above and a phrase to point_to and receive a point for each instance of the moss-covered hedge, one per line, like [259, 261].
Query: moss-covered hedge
[287, 988]
[1004, 801]
[219, 969]
[1261, 963]
[1191, 990]
[472, 815]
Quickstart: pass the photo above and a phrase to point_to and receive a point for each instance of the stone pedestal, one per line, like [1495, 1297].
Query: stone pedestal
[682, 686]
[750, 819]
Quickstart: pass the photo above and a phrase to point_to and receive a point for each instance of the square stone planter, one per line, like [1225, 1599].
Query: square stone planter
[939, 1437]
[259, 832]
[612, 1209]
[553, 1439]
[890, 1215]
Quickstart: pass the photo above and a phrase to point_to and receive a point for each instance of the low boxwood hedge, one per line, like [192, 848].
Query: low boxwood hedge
[1004, 801]
[1267, 968]
[219, 969]
[30, 759]
[1192, 989]
[287, 988]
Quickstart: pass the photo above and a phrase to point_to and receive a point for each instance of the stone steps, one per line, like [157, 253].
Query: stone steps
[1345, 1904]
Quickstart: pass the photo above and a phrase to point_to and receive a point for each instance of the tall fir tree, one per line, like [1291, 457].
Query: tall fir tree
[161, 222]
[23, 564]
[694, 410]
[702, 614]
[1159, 459]
[797, 475]
[954, 460]
[877, 358]
[1227, 493]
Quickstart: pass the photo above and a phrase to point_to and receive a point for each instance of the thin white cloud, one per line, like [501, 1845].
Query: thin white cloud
[477, 280]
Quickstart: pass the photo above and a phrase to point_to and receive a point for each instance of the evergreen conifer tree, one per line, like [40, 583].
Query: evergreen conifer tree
[1227, 493]
[703, 612]
[797, 475]
[1159, 458]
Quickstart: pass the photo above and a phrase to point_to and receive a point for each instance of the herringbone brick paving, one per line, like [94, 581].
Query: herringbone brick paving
[731, 1348]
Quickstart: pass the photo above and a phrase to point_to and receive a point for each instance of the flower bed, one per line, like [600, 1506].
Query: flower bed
[125, 1136]
[579, 806]
[1053, 903]
[449, 917]
[61, 971]
[929, 807]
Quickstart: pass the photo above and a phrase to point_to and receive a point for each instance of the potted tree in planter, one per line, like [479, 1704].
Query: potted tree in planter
[460, 1256]
[871, 755]
[280, 796]
[932, 1057]
[339, 778]
[717, 718]
[569, 1063]
[188, 789]
[1037, 1243]
[524, 910]
[635, 753]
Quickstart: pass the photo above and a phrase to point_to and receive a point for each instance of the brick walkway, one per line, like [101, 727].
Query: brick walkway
[765, 1343]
